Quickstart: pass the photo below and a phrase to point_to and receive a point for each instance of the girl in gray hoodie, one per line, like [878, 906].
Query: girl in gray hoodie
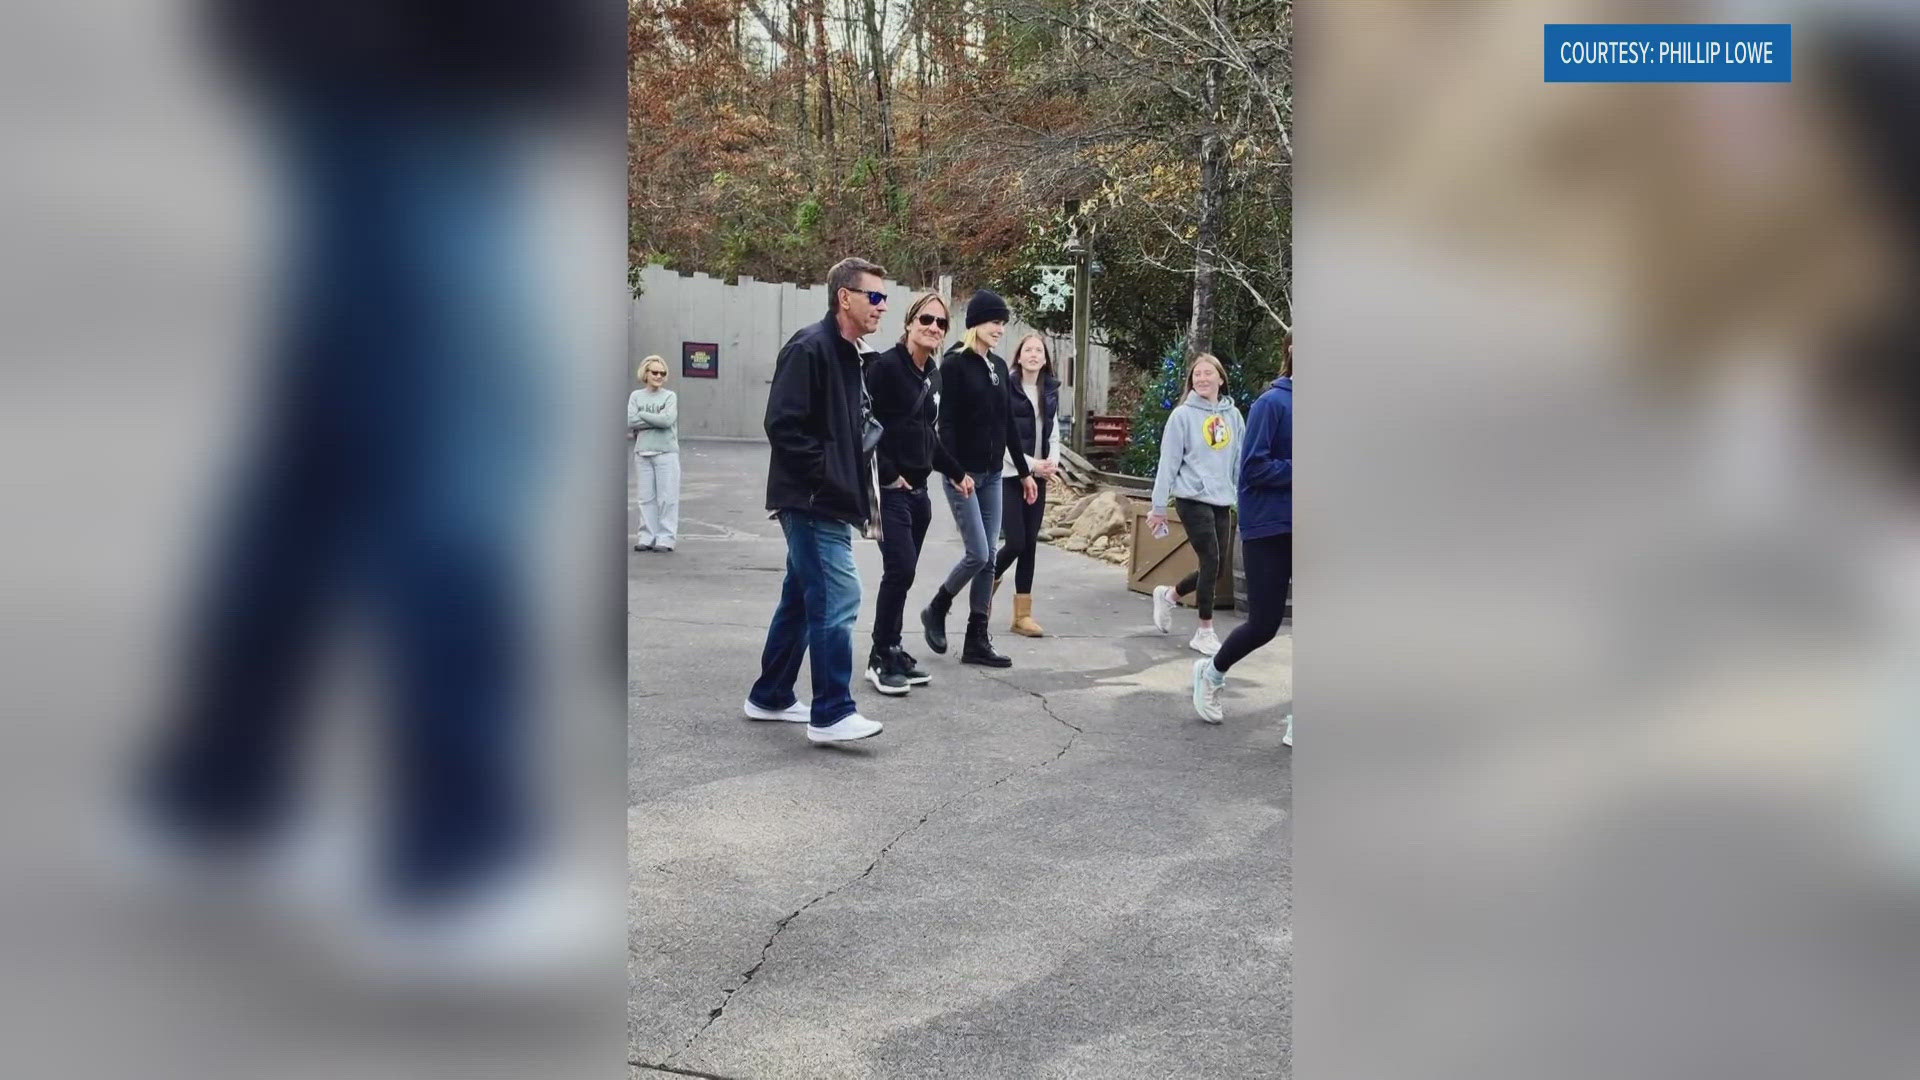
[1200, 471]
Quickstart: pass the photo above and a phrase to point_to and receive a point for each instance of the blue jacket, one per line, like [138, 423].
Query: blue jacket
[1266, 465]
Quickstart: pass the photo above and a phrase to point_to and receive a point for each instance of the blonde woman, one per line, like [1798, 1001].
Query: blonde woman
[976, 427]
[1200, 469]
[653, 423]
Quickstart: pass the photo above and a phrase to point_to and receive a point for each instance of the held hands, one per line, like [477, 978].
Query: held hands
[1029, 489]
[966, 486]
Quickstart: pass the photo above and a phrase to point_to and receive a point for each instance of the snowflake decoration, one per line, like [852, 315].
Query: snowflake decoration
[1053, 288]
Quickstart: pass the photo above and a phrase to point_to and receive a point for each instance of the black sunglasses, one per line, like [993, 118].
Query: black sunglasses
[874, 298]
[934, 320]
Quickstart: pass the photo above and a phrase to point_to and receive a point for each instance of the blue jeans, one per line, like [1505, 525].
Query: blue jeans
[978, 520]
[396, 466]
[818, 604]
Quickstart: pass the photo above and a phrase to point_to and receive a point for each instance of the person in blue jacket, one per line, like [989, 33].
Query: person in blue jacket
[1266, 534]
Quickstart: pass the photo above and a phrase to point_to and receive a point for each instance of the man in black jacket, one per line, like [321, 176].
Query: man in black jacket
[817, 416]
[905, 387]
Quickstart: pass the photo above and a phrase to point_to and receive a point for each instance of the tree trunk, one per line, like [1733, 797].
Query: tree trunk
[826, 70]
[1212, 205]
[882, 83]
[797, 67]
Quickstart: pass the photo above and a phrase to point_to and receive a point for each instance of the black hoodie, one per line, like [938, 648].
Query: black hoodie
[813, 424]
[976, 417]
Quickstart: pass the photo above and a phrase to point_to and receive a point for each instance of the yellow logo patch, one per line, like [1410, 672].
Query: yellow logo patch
[1218, 432]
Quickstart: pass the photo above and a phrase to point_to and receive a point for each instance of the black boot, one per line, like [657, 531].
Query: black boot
[934, 620]
[979, 647]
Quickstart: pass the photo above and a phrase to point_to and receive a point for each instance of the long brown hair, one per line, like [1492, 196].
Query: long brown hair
[1046, 369]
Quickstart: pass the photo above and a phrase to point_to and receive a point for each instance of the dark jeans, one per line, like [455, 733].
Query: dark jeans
[394, 467]
[1269, 573]
[1207, 527]
[1022, 526]
[818, 603]
[904, 517]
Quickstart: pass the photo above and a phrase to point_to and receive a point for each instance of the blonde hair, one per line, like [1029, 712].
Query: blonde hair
[971, 339]
[661, 360]
[919, 302]
[1208, 358]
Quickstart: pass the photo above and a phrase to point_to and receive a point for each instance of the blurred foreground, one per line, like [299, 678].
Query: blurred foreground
[314, 657]
[1609, 660]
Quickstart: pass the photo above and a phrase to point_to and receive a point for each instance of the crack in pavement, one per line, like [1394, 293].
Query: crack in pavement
[677, 1071]
[780, 927]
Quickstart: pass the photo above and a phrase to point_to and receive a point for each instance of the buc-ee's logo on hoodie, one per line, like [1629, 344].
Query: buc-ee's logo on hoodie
[1218, 433]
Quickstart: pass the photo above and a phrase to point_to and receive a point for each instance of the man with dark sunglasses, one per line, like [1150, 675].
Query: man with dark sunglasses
[817, 425]
[904, 384]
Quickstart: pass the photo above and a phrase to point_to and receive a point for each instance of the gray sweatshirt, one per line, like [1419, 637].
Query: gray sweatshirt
[655, 416]
[1200, 453]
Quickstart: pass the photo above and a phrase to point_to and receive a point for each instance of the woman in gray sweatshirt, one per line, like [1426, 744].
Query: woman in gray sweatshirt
[1200, 470]
[653, 423]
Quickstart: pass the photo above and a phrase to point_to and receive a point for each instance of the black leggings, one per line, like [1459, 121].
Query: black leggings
[1206, 526]
[1021, 524]
[1269, 572]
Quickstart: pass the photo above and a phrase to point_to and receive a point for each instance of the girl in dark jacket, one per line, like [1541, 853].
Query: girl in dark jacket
[976, 427]
[1033, 395]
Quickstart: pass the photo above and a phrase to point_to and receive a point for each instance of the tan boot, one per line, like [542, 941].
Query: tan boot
[1023, 623]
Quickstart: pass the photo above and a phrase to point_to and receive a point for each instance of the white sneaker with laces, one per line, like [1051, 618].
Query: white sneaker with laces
[846, 729]
[1287, 739]
[1163, 608]
[1204, 641]
[797, 713]
[1207, 684]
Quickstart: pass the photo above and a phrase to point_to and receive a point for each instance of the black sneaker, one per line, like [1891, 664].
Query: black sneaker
[906, 665]
[881, 672]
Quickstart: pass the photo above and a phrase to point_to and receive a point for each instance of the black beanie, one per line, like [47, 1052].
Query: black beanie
[986, 306]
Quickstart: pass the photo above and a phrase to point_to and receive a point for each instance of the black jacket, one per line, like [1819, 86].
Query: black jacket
[1033, 435]
[813, 424]
[458, 51]
[976, 418]
[909, 448]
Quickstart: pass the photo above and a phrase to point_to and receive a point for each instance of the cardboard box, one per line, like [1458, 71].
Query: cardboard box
[1156, 561]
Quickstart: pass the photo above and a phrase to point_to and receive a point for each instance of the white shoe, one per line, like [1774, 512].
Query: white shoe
[1204, 641]
[525, 934]
[1163, 608]
[1287, 739]
[846, 729]
[797, 713]
[1206, 692]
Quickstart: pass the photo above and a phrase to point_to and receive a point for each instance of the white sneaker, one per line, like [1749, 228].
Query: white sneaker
[846, 729]
[1204, 641]
[797, 713]
[526, 934]
[1287, 739]
[1206, 691]
[1163, 608]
